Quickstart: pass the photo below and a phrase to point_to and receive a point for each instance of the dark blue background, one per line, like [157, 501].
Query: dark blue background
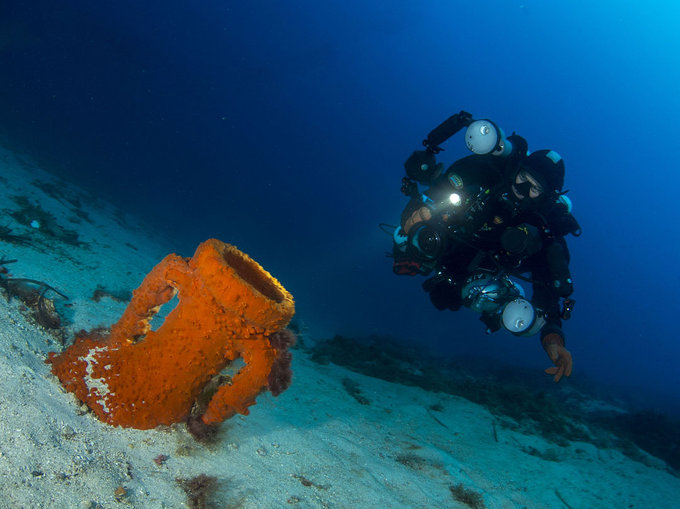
[282, 127]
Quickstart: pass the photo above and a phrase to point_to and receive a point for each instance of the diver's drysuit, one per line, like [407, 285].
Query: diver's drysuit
[488, 229]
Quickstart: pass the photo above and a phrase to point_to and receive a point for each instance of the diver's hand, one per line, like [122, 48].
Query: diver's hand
[420, 215]
[553, 344]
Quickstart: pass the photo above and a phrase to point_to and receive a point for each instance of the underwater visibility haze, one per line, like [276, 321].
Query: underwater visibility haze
[282, 128]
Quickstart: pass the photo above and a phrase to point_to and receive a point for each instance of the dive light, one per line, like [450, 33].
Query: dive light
[519, 317]
[485, 137]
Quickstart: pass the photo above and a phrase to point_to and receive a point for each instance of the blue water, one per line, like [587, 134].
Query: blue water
[282, 127]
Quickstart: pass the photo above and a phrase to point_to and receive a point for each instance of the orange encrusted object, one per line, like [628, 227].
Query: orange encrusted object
[229, 308]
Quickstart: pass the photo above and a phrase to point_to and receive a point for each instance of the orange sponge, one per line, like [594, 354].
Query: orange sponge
[229, 307]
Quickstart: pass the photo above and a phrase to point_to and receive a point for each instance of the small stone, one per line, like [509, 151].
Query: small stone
[68, 432]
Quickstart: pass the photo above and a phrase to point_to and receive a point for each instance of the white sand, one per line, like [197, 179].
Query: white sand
[314, 446]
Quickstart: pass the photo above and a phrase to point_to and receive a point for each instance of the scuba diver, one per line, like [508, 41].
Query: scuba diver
[486, 221]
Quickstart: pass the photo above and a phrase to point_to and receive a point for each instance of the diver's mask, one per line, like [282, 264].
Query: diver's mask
[528, 189]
